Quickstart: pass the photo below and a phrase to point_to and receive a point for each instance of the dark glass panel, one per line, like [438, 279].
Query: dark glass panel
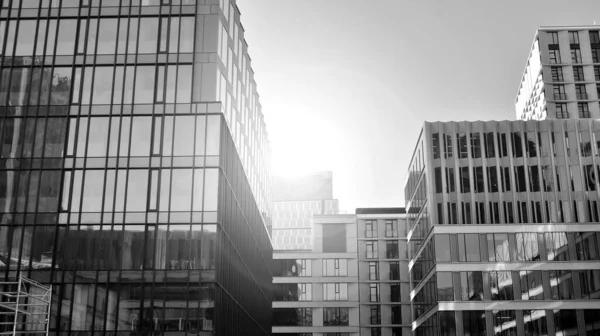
[592, 321]
[133, 247]
[292, 317]
[565, 322]
[474, 322]
[209, 238]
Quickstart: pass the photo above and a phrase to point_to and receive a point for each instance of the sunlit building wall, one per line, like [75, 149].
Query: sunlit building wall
[295, 201]
[503, 228]
[562, 75]
[134, 165]
[316, 291]
[384, 286]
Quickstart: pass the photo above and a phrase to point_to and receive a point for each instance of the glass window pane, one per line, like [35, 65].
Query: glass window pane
[184, 131]
[119, 71]
[107, 36]
[174, 32]
[103, 81]
[91, 38]
[186, 42]
[198, 189]
[92, 191]
[181, 190]
[98, 137]
[165, 183]
[213, 135]
[137, 189]
[61, 86]
[25, 38]
[140, 136]
[144, 85]
[148, 42]
[184, 84]
[211, 183]
[65, 44]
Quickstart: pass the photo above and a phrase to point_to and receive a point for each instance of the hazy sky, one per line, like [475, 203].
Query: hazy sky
[346, 85]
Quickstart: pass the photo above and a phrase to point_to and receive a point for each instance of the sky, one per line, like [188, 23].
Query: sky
[345, 85]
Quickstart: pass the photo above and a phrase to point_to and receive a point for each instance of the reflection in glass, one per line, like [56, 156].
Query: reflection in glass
[335, 316]
[61, 87]
[445, 289]
[474, 322]
[107, 36]
[103, 81]
[140, 136]
[92, 191]
[26, 37]
[144, 84]
[65, 44]
[184, 131]
[181, 190]
[97, 143]
[137, 187]
[148, 42]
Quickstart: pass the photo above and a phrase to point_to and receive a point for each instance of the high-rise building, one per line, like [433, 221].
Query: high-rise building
[316, 291]
[295, 201]
[562, 75]
[133, 167]
[503, 228]
[384, 287]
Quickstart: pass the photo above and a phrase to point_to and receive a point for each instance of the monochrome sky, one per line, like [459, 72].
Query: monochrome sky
[345, 85]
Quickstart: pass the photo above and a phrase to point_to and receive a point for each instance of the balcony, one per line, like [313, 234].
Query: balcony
[560, 96]
[582, 96]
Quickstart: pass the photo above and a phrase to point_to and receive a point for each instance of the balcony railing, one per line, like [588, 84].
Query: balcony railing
[560, 96]
[582, 96]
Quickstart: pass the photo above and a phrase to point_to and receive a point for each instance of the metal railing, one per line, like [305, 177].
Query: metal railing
[24, 307]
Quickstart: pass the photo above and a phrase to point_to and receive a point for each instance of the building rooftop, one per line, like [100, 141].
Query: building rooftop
[378, 211]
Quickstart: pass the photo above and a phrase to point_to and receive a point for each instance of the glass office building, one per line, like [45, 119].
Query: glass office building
[133, 166]
[503, 228]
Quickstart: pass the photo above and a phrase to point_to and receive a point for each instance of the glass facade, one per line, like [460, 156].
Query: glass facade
[516, 227]
[133, 173]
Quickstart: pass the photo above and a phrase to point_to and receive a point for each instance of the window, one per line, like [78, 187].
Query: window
[561, 111]
[554, 56]
[559, 92]
[435, 145]
[334, 238]
[557, 74]
[391, 250]
[391, 228]
[575, 56]
[335, 291]
[583, 110]
[394, 270]
[597, 73]
[475, 145]
[478, 179]
[371, 228]
[396, 315]
[374, 292]
[594, 37]
[573, 37]
[463, 151]
[450, 187]
[375, 314]
[553, 37]
[581, 91]
[492, 179]
[395, 292]
[595, 55]
[489, 145]
[335, 316]
[304, 292]
[447, 146]
[373, 270]
[372, 249]
[464, 180]
[292, 317]
[335, 267]
[578, 74]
